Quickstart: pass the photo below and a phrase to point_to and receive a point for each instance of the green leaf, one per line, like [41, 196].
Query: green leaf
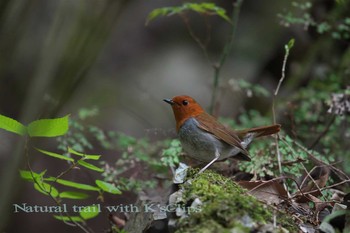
[46, 188]
[107, 187]
[157, 12]
[53, 179]
[90, 166]
[86, 156]
[77, 185]
[70, 150]
[69, 219]
[73, 195]
[89, 212]
[217, 10]
[201, 8]
[323, 27]
[290, 44]
[28, 175]
[92, 157]
[48, 127]
[12, 125]
[52, 154]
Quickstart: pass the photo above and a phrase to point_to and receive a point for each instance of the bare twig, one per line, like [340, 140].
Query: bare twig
[319, 162]
[290, 163]
[287, 49]
[308, 173]
[329, 187]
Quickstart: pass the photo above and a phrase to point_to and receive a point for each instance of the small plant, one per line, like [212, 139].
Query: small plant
[138, 156]
[133, 153]
[170, 156]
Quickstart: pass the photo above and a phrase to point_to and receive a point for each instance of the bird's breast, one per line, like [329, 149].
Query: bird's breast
[198, 143]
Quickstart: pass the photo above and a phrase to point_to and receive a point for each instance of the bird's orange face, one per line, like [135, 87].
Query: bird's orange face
[184, 107]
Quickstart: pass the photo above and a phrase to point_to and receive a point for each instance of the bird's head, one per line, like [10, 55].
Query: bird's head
[184, 107]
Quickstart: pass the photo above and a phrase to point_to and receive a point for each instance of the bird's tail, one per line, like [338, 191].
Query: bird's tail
[259, 131]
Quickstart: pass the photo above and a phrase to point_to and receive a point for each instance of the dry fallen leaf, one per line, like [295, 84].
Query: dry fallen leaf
[271, 192]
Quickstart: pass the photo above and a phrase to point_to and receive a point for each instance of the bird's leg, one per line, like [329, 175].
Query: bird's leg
[217, 156]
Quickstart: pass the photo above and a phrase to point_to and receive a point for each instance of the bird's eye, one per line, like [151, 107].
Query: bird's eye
[185, 102]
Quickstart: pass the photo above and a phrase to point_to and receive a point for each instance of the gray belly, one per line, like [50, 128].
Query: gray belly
[201, 145]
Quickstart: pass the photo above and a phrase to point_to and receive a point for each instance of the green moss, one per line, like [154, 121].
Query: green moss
[225, 205]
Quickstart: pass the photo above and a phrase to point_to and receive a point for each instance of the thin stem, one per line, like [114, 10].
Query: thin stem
[57, 202]
[226, 51]
[287, 48]
[323, 133]
[283, 75]
[202, 45]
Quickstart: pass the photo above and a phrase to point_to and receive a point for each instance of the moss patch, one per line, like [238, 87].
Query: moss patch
[225, 206]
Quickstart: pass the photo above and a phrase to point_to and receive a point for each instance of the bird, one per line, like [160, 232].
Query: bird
[205, 139]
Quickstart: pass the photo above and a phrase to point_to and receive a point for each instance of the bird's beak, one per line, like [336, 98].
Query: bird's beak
[169, 101]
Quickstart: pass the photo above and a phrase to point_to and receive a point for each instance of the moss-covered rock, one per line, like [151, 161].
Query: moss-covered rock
[225, 207]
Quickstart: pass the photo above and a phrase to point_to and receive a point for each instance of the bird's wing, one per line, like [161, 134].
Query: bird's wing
[209, 124]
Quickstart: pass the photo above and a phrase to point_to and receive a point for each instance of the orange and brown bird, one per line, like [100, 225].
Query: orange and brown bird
[206, 139]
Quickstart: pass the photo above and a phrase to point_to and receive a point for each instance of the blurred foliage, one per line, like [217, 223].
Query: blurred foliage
[309, 108]
[338, 28]
[250, 89]
[47, 48]
[79, 133]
